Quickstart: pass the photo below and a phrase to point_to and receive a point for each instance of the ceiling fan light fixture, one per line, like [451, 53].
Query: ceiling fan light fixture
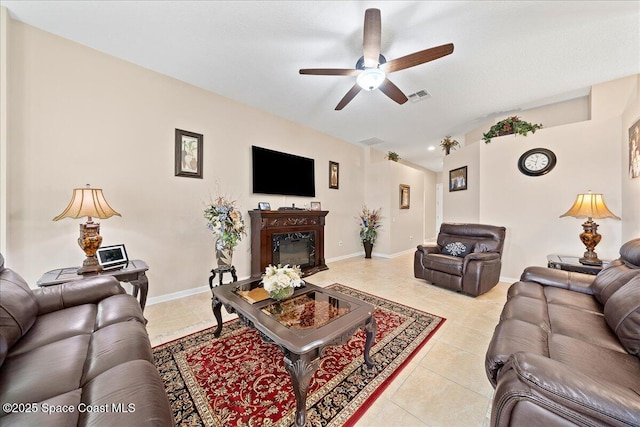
[371, 78]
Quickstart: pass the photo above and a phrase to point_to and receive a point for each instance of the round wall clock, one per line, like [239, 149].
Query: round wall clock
[537, 161]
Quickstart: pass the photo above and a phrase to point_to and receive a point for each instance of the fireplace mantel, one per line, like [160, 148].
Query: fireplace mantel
[267, 224]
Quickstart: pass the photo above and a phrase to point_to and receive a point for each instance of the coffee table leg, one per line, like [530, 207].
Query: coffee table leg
[370, 327]
[216, 306]
[301, 372]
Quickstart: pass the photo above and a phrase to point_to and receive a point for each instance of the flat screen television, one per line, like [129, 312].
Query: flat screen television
[281, 173]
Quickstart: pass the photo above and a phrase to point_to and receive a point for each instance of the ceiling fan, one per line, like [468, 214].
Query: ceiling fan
[372, 68]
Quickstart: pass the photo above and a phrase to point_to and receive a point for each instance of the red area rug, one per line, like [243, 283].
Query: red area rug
[238, 380]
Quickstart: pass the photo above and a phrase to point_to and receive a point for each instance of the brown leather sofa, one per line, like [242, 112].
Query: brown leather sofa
[76, 354]
[565, 351]
[466, 258]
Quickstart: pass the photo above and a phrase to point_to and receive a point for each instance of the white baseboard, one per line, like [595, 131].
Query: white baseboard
[508, 279]
[343, 257]
[185, 293]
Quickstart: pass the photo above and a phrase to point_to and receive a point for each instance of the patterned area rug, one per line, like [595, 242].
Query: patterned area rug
[238, 380]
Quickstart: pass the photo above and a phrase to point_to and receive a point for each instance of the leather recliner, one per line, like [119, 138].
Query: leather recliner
[466, 258]
[76, 354]
[566, 348]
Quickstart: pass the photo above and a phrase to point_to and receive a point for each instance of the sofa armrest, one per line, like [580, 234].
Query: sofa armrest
[429, 249]
[85, 291]
[556, 389]
[578, 282]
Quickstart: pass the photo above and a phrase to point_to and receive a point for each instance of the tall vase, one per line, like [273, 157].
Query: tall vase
[224, 257]
[368, 247]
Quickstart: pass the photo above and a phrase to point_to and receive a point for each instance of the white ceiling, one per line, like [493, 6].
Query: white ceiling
[509, 55]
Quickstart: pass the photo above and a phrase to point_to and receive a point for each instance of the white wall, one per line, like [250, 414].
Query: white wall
[462, 205]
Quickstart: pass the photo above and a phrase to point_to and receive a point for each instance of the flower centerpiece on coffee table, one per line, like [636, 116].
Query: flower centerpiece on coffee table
[227, 225]
[279, 281]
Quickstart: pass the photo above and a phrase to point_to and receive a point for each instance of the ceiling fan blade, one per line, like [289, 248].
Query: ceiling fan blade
[330, 71]
[393, 92]
[371, 37]
[348, 97]
[417, 58]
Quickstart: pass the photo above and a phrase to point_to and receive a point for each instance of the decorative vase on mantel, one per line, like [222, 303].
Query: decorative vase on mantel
[224, 257]
[368, 247]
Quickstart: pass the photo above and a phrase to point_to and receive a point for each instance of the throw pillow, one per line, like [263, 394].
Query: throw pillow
[457, 249]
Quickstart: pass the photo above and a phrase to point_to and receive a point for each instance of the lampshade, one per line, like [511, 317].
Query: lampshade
[589, 205]
[370, 78]
[88, 202]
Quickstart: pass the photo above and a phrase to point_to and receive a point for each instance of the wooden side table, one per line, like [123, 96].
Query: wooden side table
[572, 263]
[133, 273]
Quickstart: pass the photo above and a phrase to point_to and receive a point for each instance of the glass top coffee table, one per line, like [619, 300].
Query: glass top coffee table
[302, 326]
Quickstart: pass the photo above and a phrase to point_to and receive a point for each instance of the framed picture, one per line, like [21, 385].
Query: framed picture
[405, 196]
[334, 175]
[315, 206]
[634, 150]
[188, 154]
[110, 257]
[458, 179]
[264, 206]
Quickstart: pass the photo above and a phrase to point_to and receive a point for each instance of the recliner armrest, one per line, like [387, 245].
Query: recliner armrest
[429, 249]
[551, 385]
[578, 282]
[85, 291]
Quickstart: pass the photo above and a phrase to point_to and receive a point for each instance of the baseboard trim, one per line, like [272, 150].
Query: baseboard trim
[343, 257]
[508, 279]
[185, 293]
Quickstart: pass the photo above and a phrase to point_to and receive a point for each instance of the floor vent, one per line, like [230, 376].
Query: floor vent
[419, 96]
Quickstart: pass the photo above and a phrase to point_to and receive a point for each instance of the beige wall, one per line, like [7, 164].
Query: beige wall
[79, 116]
[588, 159]
[630, 187]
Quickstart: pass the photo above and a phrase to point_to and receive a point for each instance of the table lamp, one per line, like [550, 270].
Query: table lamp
[89, 202]
[590, 206]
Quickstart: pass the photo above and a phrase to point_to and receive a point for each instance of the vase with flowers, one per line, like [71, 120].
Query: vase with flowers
[225, 221]
[447, 144]
[280, 282]
[369, 225]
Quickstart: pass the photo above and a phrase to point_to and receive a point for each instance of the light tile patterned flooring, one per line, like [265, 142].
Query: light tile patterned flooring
[445, 383]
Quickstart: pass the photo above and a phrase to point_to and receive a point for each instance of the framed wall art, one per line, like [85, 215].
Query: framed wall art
[458, 179]
[634, 150]
[405, 196]
[188, 154]
[316, 206]
[334, 175]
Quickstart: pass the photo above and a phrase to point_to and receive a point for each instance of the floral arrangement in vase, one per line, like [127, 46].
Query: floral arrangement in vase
[280, 281]
[369, 224]
[447, 144]
[227, 225]
[510, 125]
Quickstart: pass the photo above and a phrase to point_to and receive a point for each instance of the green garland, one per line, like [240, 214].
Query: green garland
[510, 125]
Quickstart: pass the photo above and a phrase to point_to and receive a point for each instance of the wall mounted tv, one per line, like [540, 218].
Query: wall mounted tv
[281, 173]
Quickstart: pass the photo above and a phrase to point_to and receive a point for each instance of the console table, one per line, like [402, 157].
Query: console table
[133, 273]
[292, 231]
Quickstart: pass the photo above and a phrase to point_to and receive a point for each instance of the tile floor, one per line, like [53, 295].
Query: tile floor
[445, 383]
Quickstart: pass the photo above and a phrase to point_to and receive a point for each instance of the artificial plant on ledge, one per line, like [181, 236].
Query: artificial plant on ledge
[392, 155]
[447, 144]
[510, 125]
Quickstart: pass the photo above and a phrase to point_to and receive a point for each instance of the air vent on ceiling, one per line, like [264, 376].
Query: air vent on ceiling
[419, 96]
[371, 141]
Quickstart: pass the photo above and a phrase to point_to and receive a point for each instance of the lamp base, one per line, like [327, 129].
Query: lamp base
[90, 240]
[590, 238]
[90, 266]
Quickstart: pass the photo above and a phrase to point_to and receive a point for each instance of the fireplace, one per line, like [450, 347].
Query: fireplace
[294, 237]
[294, 249]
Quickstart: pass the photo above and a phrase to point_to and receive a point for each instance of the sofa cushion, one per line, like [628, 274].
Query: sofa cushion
[612, 278]
[18, 307]
[458, 248]
[444, 263]
[622, 313]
